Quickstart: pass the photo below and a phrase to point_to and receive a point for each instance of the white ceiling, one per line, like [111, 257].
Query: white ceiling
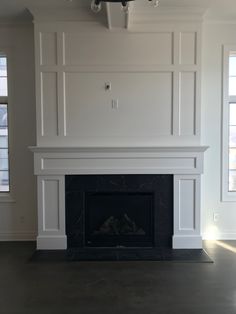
[17, 9]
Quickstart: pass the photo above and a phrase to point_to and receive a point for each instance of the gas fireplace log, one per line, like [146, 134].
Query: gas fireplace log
[123, 225]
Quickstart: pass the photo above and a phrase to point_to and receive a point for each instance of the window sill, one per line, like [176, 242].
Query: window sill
[6, 198]
[228, 196]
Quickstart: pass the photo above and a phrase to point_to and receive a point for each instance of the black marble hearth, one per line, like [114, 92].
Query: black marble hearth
[129, 254]
[119, 211]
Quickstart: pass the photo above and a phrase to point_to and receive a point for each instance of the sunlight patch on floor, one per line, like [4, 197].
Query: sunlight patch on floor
[226, 246]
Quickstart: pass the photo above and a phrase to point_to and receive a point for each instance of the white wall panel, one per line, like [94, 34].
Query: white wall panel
[51, 212]
[122, 165]
[188, 48]
[187, 103]
[50, 205]
[118, 49]
[48, 48]
[49, 104]
[144, 104]
[187, 212]
[187, 201]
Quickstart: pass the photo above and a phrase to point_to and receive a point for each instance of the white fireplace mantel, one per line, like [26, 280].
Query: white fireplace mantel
[122, 160]
[53, 163]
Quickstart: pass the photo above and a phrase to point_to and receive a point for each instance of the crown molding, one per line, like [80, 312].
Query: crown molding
[219, 21]
[107, 16]
[162, 14]
[41, 14]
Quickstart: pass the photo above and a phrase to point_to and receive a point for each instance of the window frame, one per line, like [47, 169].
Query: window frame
[227, 196]
[7, 197]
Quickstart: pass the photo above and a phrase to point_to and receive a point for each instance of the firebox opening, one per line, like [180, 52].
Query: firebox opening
[119, 219]
[119, 211]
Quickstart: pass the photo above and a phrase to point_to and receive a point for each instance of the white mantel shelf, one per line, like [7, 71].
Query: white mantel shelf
[100, 149]
[118, 160]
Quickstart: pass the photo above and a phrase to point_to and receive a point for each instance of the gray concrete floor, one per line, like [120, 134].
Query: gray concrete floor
[117, 287]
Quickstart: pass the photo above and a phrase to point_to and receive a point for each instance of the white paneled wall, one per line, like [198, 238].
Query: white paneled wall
[154, 78]
[152, 100]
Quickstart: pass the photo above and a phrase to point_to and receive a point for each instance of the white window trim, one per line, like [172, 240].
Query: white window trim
[226, 99]
[8, 197]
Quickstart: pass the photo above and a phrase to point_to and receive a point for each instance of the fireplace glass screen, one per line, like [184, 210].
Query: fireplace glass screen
[119, 219]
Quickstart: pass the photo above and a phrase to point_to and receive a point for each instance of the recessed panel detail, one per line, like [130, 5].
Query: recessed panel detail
[122, 49]
[49, 104]
[187, 204]
[188, 48]
[51, 205]
[48, 48]
[143, 104]
[187, 103]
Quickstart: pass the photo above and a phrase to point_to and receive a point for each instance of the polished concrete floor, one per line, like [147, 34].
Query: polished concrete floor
[117, 287]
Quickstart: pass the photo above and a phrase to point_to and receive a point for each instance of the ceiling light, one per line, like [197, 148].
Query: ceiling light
[96, 5]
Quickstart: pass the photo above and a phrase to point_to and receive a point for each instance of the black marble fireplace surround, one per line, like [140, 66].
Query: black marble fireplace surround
[119, 212]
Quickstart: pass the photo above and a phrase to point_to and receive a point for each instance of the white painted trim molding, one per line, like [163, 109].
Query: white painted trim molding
[51, 242]
[187, 242]
[6, 198]
[136, 149]
[101, 160]
[226, 195]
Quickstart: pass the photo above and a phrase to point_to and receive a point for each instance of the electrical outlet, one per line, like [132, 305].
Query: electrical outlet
[216, 217]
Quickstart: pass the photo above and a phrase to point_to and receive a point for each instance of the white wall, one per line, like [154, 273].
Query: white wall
[214, 37]
[18, 219]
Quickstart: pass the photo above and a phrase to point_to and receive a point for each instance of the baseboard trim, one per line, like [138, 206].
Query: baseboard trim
[187, 242]
[219, 236]
[17, 236]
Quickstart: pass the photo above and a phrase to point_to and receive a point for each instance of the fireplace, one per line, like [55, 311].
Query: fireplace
[64, 177]
[119, 211]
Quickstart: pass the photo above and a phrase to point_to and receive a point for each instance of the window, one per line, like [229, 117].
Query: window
[4, 161]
